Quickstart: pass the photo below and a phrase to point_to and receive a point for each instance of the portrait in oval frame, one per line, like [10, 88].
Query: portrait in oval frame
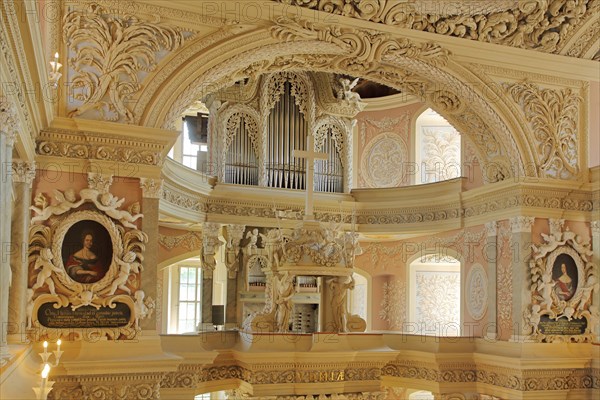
[87, 251]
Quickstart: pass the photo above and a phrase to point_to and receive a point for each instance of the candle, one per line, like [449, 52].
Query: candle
[58, 343]
[56, 56]
[45, 346]
[45, 372]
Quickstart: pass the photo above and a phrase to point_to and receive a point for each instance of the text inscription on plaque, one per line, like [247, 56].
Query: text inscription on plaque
[562, 326]
[84, 317]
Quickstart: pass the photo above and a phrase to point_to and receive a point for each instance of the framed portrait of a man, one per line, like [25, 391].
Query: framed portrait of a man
[87, 251]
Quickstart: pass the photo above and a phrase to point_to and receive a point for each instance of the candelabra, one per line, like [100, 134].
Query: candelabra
[54, 75]
[45, 387]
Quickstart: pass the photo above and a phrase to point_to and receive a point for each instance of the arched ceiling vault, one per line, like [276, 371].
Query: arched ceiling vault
[425, 70]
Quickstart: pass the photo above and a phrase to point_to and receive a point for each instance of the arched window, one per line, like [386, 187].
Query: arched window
[437, 150]
[434, 290]
[185, 297]
[359, 300]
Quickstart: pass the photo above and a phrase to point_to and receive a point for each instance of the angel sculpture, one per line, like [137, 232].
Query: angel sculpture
[346, 93]
[141, 310]
[253, 236]
[44, 264]
[109, 204]
[127, 265]
[66, 201]
[545, 288]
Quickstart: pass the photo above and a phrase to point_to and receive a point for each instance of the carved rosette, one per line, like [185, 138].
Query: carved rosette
[68, 276]
[563, 281]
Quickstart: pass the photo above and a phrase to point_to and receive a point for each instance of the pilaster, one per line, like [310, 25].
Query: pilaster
[521, 237]
[22, 173]
[596, 260]
[151, 278]
[8, 131]
[235, 234]
[210, 246]
[491, 255]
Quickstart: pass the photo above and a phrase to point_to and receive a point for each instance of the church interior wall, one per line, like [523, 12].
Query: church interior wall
[493, 222]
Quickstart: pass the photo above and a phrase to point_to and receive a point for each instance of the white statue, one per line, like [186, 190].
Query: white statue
[29, 308]
[339, 288]
[593, 320]
[253, 236]
[346, 93]
[65, 201]
[141, 310]
[533, 318]
[44, 264]
[284, 290]
[586, 292]
[545, 288]
[126, 266]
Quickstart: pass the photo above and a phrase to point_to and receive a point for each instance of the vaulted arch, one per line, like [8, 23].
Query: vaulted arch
[424, 70]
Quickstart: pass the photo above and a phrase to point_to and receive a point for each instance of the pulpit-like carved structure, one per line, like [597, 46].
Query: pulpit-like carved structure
[309, 250]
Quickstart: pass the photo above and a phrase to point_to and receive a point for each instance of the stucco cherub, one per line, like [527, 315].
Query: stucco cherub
[46, 267]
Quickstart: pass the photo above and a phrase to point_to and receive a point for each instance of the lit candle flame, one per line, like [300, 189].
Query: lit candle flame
[45, 345]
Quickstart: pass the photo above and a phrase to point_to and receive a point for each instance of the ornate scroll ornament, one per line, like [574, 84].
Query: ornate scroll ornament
[151, 188]
[64, 287]
[383, 161]
[8, 120]
[595, 227]
[553, 115]
[210, 245]
[23, 171]
[477, 292]
[190, 241]
[540, 25]
[393, 304]
[563, 281]
[235, 234]
[110, 53]
[365, 50]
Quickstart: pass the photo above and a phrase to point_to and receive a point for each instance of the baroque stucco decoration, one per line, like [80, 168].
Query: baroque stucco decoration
[55, 285]
[477, 292]
[408, 66]
[383, 161]
[553, 116]
[110, 54]
[562, 293]
[538, 25]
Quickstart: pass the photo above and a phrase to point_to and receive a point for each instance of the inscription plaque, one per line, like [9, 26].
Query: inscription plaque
[84, 317]
[561, 326]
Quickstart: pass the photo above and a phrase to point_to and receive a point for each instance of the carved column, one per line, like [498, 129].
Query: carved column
[210, 246]
[8, 130]
[491, 255]
[596, 261]
[23, 174]
[521, 236]
[151, 278]
[235, 233]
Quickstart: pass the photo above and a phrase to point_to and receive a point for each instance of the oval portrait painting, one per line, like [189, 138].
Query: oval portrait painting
[87, 251]
[564, 275]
